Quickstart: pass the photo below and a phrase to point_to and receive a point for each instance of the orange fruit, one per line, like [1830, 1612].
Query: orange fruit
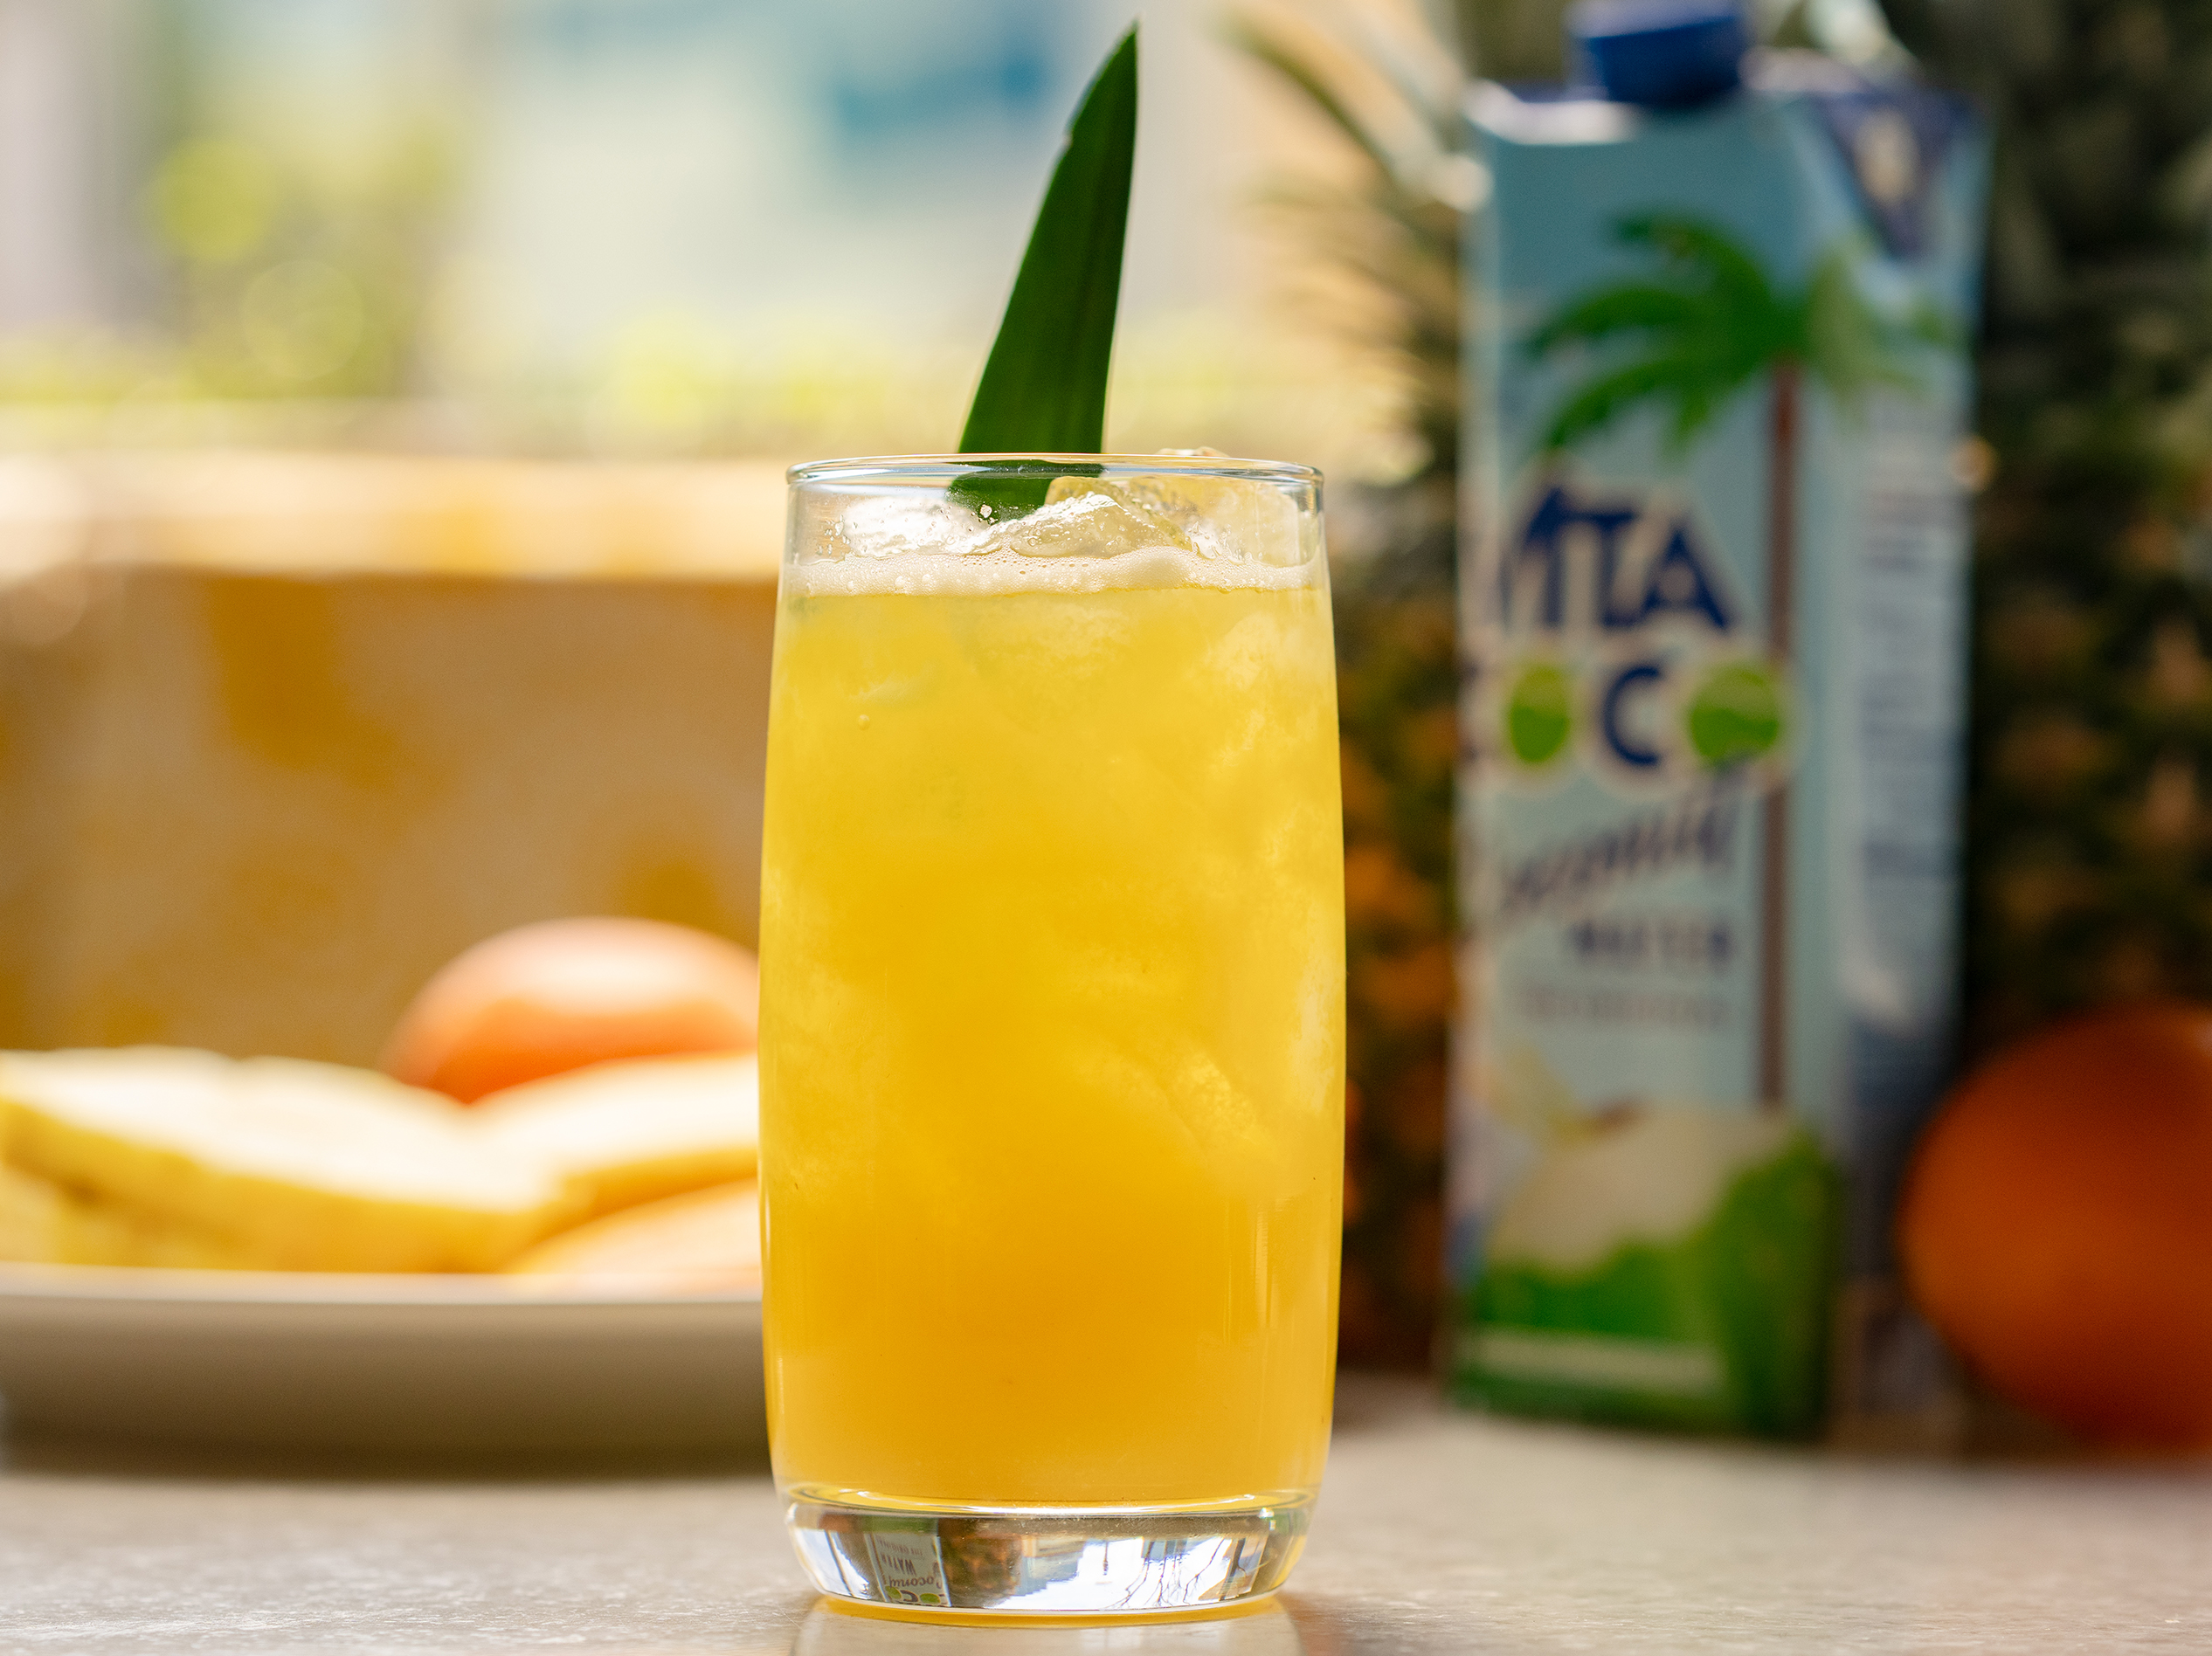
[2056, 1224]
[557, 996]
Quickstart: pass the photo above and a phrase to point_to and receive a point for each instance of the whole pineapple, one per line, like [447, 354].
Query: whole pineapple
[2089, 845]
[1396, 687]
[1391, 95]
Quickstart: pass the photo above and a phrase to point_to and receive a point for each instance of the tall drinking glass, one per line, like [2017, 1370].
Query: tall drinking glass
[1051, 1029]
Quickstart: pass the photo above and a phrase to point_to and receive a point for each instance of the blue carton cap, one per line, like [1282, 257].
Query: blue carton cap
[1663, 53]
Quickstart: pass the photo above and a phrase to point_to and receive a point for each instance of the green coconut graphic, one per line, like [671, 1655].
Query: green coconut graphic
[1539, 714]
[1669, 1265]
[1736, 714]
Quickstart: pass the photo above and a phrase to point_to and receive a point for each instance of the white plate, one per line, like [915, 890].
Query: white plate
[395, 1363]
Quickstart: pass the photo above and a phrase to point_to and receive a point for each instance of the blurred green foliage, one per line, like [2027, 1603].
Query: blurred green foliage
[288, 280]
[293, 255]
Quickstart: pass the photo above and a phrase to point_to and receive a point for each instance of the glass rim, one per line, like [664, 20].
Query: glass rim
[890, 467]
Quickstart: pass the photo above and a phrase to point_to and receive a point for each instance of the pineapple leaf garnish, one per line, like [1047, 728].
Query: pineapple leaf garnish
[1043, 389]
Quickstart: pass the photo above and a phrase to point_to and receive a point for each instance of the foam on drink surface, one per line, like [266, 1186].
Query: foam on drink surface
[1091, 536]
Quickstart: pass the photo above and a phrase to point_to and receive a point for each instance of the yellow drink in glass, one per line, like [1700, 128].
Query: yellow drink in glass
[1052, 1037]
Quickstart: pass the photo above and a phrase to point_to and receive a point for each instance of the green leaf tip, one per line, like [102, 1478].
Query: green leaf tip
[1043, 389]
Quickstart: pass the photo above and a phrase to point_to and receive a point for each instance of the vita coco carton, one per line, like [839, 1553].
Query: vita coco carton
[1713, 613]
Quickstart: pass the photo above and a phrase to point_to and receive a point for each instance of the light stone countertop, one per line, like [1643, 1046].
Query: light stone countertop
[1436, 1533]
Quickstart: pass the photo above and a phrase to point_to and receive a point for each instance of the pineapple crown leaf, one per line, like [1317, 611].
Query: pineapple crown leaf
[1264, 44]
[1347, 217]
[1423, 74]
[1429, 108]
[1386, 87]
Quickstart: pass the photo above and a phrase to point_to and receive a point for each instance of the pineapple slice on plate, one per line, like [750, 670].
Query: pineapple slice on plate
[42, 1223]
[633, 1130]
[705, 1242]
[264, 1163]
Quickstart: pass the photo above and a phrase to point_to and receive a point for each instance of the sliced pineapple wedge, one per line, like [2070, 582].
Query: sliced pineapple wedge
[42, 1223]
[634, 1130]
[703, 1242]
[265, 1163]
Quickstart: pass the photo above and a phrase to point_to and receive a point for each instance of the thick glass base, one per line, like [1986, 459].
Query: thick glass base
[1077, 1561]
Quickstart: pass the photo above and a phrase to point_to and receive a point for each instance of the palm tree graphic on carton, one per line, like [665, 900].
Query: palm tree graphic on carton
[1710, 325]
